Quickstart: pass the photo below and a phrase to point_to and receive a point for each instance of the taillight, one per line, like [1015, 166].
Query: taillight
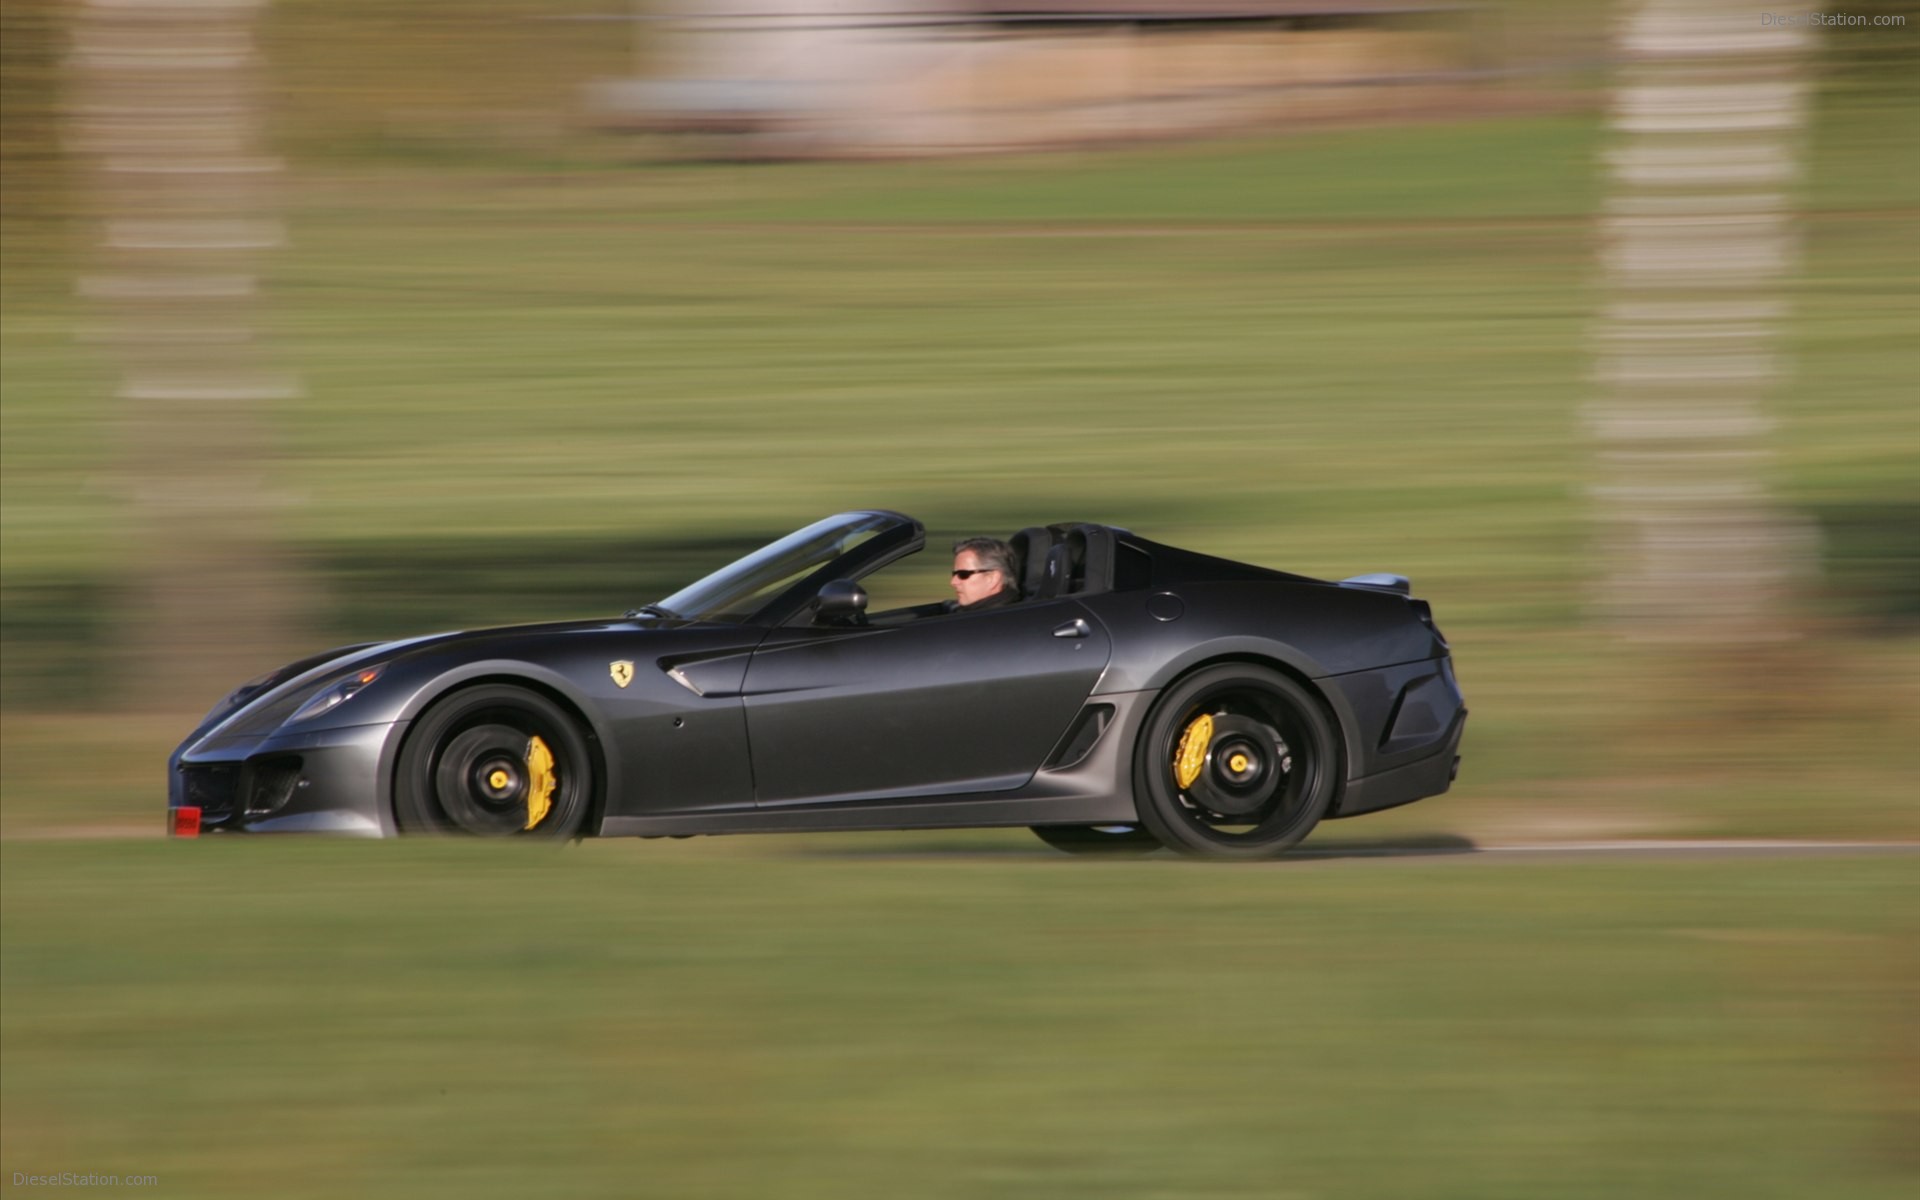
[186, 821]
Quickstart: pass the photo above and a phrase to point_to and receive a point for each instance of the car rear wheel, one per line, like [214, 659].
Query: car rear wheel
[495, 761]
[1114, 840]
[1236, 761]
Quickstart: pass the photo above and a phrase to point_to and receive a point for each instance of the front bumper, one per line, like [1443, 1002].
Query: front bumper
[319, 781]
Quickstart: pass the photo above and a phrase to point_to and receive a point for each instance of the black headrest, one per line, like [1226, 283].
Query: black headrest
[1057, 577]
[1090, 554]
[1090, 557]
[1030, 548]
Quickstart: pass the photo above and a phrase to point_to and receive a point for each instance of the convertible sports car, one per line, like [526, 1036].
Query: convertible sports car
[1138, 695]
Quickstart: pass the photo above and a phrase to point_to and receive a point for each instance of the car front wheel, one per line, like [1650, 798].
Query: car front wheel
[495, 761]
[1236, 761]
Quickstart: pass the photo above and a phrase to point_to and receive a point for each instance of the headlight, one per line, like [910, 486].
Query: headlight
[335, 694]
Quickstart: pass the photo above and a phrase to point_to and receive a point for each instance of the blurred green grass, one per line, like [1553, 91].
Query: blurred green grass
[968, 1016]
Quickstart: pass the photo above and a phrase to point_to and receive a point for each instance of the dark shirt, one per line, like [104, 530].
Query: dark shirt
[1000, 599]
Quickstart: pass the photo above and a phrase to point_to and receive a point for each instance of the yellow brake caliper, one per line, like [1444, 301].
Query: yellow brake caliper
[540, 781]
[1192, 754]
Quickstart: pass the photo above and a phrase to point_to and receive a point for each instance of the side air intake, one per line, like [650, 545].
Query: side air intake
[1087, 728]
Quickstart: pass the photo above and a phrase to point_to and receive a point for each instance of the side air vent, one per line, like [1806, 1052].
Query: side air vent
[1087, 728]
[1421, 715]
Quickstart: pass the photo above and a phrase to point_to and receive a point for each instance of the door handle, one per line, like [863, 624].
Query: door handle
[1076, 628]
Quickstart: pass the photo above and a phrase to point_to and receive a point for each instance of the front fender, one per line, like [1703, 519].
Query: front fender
[505, 670]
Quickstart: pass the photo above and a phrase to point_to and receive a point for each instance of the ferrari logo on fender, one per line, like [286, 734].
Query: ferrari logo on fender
[621, 671]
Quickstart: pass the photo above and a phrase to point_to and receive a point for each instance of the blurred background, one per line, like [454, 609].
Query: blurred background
[330, 321]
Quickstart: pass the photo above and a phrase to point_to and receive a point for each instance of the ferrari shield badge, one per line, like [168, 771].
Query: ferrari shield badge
[622, 671]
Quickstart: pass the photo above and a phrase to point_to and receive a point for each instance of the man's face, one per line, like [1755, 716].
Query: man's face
[973, 587]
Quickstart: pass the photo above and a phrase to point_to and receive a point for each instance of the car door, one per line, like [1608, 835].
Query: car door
[670, 702]
[964, 702]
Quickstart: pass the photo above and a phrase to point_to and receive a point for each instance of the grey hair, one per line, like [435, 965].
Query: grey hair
[993, 554]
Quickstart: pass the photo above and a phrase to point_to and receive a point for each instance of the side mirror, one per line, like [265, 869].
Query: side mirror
[841, 602]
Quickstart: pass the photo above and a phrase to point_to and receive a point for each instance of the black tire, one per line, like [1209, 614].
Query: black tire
[466, 767]
[1119, 841]
[1266, 772]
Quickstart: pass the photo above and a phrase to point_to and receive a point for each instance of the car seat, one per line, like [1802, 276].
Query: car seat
[1086, 568]
[1057, 574]
[1030, 549]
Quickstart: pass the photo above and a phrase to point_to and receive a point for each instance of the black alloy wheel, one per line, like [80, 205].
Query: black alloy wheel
[495, 761]
[1236, 761]
[1110, 840]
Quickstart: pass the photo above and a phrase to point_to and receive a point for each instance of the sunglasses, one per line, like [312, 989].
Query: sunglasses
[969, 574]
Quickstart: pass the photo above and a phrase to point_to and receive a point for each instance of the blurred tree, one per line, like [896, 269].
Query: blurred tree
[167, 114]
[1877, 52]
[30, 176]
[1707, 114]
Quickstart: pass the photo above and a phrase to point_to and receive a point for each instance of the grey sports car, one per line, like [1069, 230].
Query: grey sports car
[1137, 695]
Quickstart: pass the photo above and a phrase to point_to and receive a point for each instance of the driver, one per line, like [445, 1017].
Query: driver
[983, 574]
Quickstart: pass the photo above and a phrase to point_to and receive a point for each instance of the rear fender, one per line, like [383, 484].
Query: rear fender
[1279, 657]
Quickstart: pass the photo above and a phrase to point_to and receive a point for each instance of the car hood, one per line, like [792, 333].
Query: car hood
[263, 708]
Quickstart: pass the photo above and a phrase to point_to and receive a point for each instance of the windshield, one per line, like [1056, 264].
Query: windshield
[737, 591]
